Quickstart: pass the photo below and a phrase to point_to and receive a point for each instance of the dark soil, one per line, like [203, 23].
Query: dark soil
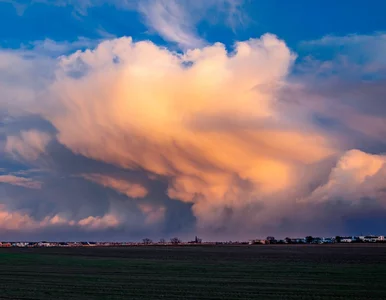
[195, 272]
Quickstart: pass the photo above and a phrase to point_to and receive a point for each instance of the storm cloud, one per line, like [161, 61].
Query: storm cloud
[137, 139]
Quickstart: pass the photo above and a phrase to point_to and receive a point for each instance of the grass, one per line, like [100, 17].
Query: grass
[221, 272]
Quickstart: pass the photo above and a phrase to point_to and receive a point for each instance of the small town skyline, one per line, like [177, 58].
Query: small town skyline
[269, 240]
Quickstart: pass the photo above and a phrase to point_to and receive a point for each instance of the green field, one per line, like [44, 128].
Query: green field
[195, 272]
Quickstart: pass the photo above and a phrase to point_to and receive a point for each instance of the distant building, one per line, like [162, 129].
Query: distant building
[346, 239]
[317, 240]
[370, 238]
[327, 241]
[44, 244]
[197, 240]
[256, 241]
[20, 244]
[350, 239]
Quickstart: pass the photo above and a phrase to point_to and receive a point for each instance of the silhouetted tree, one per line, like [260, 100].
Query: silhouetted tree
[287, 240]
[147, 241]
[162, 241]
[338, 239]
[309, 239]
[271, 239]
[175, 241]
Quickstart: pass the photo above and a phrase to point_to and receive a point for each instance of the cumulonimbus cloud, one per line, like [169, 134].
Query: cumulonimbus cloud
[207, 119]
[211, 124]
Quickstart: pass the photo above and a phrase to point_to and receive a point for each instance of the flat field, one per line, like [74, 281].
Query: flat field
[195, 272]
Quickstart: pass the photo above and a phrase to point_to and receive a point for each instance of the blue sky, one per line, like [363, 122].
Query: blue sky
[121, 119]
[296, 21]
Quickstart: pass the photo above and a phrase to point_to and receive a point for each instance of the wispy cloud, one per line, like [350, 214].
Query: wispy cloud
[333, 40]
[130, 189]
[20, 6]
[53, 48]
[80, 6]
[355, 48]
[29, 145]
[172, 21]
[20, 181]
[175, 21]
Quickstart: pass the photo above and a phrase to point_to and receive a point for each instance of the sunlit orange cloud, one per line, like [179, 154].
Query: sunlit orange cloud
[95, 223]
[18, 220]
[134, 190]
[206, 119]
[20, 181]
[154, 213]
[356, 176]
[14, 220]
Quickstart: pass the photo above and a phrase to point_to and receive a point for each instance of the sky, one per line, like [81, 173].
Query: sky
[230, 120]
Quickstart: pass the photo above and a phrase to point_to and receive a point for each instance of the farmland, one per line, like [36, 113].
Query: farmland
[195, 272]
